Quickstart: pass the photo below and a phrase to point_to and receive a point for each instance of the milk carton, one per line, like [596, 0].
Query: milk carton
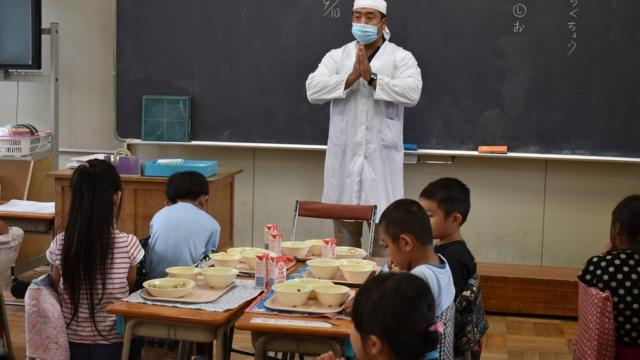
[275, 242]
[277, 269]
[329, 248]
[262, 271]
[268, 229]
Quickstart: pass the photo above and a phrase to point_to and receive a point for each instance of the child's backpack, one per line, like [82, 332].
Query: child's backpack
[141, 271]
[470, 324]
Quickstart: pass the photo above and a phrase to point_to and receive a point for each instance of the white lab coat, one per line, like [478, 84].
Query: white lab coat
[364, 159]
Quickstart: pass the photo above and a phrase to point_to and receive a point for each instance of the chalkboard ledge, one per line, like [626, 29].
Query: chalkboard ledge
[448, 153]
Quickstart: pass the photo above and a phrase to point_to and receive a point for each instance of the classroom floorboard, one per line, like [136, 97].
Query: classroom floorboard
[508, 338]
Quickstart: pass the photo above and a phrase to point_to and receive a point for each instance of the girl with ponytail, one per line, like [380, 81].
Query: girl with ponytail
[93, 264]
[394, 319]
[617, 271]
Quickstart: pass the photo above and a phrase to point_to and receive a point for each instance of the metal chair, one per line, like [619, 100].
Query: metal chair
[320, 210]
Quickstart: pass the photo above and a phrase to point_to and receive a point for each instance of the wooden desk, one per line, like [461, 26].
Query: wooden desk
[295, 339]
[144, 196]
[177, 324]
[38, 235]
[341, 328]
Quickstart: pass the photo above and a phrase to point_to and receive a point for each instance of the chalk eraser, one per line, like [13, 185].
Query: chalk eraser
[496, 149]
[411, 147]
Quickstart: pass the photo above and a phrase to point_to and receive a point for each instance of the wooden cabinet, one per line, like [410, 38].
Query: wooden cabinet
[143, 196]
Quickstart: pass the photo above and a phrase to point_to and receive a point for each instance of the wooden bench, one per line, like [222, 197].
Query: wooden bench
[529, 290]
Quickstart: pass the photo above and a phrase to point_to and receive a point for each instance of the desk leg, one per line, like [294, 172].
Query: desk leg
[128, 336]
[220, 346]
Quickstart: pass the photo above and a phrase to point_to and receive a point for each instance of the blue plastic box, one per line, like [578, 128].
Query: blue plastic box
[205, 167]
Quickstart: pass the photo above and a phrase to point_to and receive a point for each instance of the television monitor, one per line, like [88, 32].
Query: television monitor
[20, 38]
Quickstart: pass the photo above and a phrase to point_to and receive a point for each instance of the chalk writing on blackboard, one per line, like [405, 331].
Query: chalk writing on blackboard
[331, 9]
[519, 12]
[573, 26]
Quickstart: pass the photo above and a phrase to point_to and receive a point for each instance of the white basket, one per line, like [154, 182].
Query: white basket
[24, 145]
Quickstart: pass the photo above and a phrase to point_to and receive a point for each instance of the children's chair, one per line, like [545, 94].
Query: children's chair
[320, 210]
[445, 346]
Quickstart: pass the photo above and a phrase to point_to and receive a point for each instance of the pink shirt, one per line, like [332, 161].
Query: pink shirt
[127, 252]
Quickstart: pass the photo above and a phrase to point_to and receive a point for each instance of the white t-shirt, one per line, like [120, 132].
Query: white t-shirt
[441, 282]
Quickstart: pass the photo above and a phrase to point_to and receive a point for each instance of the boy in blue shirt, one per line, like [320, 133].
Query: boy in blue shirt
[406, 231]
[182, 232]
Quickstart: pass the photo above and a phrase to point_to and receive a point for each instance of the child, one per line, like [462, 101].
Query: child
[617, 271]
[182, 232]
[447, 203]
[4, 229]
[405, 229]
[393, 318]
[93, 264]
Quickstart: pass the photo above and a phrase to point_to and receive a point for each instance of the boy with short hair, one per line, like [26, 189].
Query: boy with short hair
[182, 232]
[405, 229]
[447, 202]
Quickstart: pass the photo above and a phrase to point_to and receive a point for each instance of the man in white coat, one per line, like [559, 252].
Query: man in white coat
[369, 82]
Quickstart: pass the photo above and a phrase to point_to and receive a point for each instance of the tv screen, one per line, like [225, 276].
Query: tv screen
[20, 39]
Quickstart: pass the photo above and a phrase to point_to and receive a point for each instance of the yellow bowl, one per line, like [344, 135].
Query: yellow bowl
[316, 247]
[324, 268]
[219, 277]
[225, 259]
[249, 256]
[292, 294]
[356, 273]
[169, 287]
[183, 272]
[348, 252]
[331, 295]
[297, 249]
[313, 282]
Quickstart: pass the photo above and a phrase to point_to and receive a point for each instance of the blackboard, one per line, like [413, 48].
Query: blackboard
[541, 76]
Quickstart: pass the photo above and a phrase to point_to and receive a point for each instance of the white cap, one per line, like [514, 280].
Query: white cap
[379, 5]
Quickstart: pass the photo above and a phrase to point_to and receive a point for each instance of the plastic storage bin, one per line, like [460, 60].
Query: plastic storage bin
[24, 145]
[205, 167]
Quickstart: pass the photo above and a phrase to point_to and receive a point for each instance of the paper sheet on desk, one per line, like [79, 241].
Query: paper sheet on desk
[33, 207]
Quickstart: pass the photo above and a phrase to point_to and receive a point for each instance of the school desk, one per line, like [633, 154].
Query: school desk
[180, 324]
[294, 339]
[177, 324]
[38, 234]
[283, 337]
[144, 196]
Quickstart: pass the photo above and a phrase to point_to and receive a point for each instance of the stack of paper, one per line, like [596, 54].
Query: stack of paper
[76, 161]
[33, 207]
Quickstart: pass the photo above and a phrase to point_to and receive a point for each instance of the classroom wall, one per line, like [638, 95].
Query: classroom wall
[552, 213]
[86, 105]
[523, 211]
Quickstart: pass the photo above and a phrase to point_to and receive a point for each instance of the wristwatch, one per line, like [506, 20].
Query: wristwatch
[373, 78]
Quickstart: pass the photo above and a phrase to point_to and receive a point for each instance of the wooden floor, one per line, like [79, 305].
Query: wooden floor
[508, 338]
